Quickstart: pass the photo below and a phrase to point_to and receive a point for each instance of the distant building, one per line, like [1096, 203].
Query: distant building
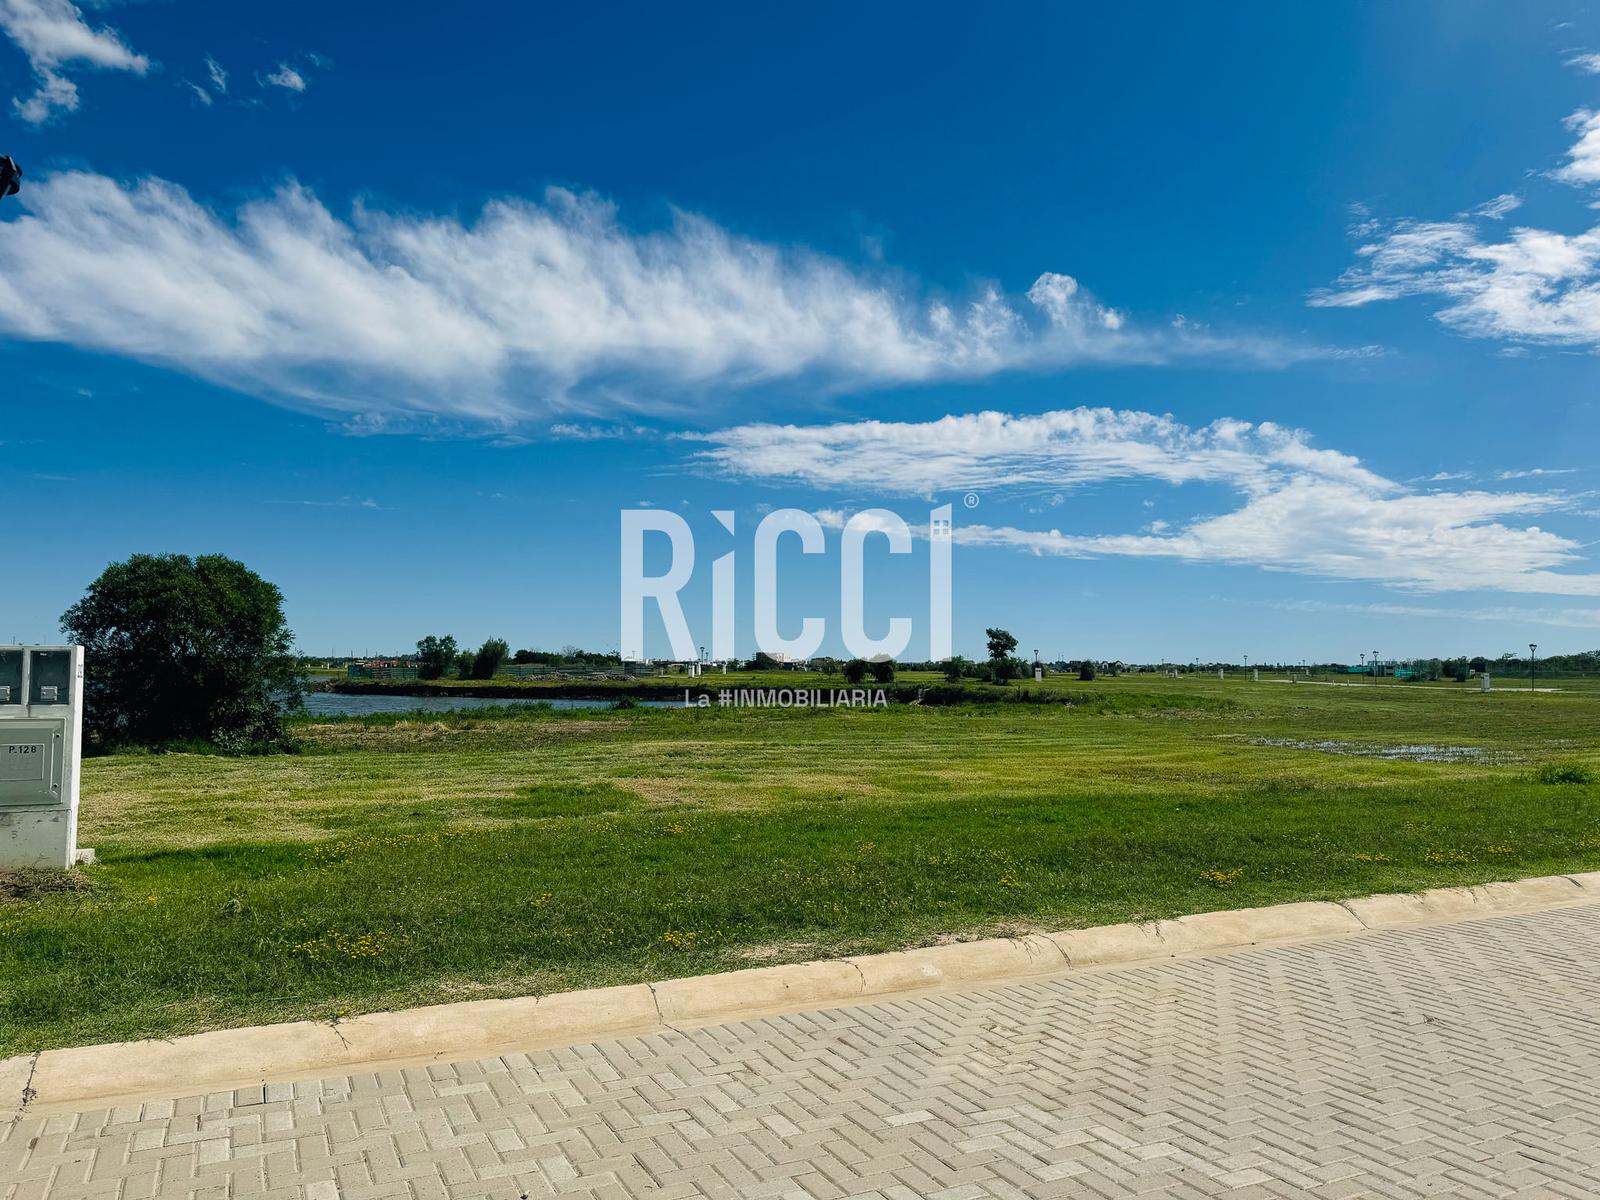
[382, 668]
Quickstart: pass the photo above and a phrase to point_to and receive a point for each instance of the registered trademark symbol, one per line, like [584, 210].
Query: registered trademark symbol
[970, 499]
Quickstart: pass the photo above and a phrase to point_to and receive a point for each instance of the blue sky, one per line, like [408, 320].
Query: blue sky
[1284, 321]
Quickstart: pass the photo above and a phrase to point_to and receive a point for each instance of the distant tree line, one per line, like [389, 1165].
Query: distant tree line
[440, 656]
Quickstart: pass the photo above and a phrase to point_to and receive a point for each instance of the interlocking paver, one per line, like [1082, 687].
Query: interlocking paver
[1459, 1060]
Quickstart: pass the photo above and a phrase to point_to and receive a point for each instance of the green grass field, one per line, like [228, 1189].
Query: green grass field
[401, 861]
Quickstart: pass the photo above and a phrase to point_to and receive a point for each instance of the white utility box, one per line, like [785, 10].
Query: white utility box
[41, 743]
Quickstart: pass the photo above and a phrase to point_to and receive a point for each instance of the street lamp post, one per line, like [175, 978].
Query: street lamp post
[1375, 668]
[1533, 649]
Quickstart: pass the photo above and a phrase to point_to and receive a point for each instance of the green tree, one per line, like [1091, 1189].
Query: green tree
[955, 668]
[855, 670]
[1001, 644]
[183, 648]
[882, 670]
[487, 660]
[435, 656]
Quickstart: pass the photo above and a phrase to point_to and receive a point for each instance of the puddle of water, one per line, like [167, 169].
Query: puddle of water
[1417, 752]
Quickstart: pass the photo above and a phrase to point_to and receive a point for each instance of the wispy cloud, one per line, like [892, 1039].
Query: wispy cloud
[535, 308]
[1526, 285]
[1589, 64]
[1583, 160]
[342, 502]
[589, 432]
[1053, 449]
[215, 73]
[1566, 618]
[1499, 207]
[285, 77]
[54, 35]
[1303, 509]
[1536, 472]
[1534, 286]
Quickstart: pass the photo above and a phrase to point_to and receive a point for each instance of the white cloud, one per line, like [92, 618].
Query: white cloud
[1583, 160]
[1528, 285]
[1536, 472]
[1534, 286]
[215, 72]
[1497, 208]
[1303, 509]
[534, 307]
[576, 432]
[342, 502]
[1567, 618]
[286, 77]
[1054, 449]
[1589, 64]
[53, 34]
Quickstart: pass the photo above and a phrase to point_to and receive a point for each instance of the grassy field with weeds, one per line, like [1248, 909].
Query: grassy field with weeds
[403, 860]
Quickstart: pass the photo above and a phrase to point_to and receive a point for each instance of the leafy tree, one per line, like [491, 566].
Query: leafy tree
[955, 668]
[1001, 644]
[762, 662]
[855, 670]
[465, 660]
[883, 670]
[183, 648]
[1086, 671]
[435, 656]
[487, 660]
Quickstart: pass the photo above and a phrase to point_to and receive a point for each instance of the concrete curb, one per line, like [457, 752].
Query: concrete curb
[232, 1058]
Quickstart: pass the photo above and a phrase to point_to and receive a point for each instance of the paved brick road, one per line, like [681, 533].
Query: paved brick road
[1460, 1060]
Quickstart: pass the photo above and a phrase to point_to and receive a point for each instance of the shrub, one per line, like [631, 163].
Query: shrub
[883, 670]
[855, 670]
[1564, 772]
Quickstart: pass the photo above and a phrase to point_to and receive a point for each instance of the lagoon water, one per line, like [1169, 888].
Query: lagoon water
[331, 704]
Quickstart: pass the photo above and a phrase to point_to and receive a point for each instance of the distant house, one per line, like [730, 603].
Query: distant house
[382, 668]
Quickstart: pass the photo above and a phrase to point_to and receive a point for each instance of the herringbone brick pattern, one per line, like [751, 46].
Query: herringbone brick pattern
[1461, 1060]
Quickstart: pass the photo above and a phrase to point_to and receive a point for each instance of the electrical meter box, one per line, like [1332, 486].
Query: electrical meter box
[41, 742]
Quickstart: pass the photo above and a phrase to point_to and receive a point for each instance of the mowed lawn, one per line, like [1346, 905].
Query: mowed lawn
[402, 861]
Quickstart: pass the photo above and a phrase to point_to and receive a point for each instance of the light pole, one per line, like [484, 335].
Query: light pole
[1533, 649]
[1375, 668]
